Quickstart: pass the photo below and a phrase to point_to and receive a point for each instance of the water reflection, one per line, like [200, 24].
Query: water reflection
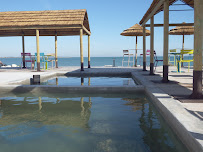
[46, 111]
[156, 134]
[88, 81]
[67, 124]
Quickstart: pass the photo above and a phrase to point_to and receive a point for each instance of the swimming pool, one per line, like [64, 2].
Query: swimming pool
[89, 81]
[59, 122]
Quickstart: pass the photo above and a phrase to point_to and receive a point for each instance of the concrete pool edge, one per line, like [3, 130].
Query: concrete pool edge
[177, 119]
[70, 89]
[185, 125]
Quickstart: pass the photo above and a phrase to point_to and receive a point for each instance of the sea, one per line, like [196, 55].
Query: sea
[95, 61]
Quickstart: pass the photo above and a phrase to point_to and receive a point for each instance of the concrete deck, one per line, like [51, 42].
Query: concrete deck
[167, 96]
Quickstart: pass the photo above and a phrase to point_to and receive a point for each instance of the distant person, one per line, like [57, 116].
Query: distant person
[1, 64]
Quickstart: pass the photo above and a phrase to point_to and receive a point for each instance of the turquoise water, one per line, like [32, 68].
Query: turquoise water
[95, 61]
[58, 123]
[90, 81]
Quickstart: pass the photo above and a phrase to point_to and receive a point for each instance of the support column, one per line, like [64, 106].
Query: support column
[152, 46]
[38, 55]
[88, 51]
[81, 50]
[144, 49]
[165, 52]
[198, 48]
[183, 42]
[136, 52]
[23, 47]
[56, 51]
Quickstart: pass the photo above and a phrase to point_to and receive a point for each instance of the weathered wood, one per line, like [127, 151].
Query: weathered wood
[38, 54]
[153, 11]
[172, 24]
[23, 47]
[152, 46]
[39, 27]
[166, 36]
[136, 52]
[88, 51]
[56, 51]
[144, 49]
[198, 48]
[88, 32]
[81, 49]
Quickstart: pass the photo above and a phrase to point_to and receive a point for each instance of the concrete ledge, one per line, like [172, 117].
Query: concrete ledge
[70, 89]
[186, 126]
[98, 74]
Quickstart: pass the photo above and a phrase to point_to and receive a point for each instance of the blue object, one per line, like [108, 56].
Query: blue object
[42, 60]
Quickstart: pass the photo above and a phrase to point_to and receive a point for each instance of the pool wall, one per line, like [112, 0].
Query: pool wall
[186, 126]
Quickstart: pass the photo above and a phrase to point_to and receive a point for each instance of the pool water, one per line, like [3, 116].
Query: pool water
[90, 81]
[60, 123]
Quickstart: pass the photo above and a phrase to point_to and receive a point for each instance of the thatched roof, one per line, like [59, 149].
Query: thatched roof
[135, 30]
[155, 2]
[64, 22]
[182, 30]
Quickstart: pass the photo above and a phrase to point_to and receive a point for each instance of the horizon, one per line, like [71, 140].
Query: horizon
[106, 24]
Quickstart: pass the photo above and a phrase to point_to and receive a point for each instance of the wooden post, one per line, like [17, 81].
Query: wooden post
[198, 48]
[144, 49]
[183, 41]
[88, 51]
[81, 49]
[152, 46]
[56, 53]
[165, 52]
[23, 47]
[183, 48]
[136, 52]
[38, 54]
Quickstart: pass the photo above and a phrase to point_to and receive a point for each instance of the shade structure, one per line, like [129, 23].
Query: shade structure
[182, 30]
[64, 22]
[135, 30]
[45, 23]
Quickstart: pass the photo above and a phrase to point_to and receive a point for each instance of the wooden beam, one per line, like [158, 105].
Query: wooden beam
[152, 46]
[88, 32]
[56, 53]
[153, 11]
[166, 38]
[39, 27]
[38, 54]
[172, 24]
[81, 50]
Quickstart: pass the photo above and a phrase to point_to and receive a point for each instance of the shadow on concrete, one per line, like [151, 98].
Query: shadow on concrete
[174, 88]
[197, 114]
[197, 135]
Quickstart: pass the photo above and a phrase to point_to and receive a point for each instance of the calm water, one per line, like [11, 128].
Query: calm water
[91, 81]
[60, 123]
[95, 61]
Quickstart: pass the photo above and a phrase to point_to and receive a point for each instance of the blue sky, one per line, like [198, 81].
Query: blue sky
[107, 18]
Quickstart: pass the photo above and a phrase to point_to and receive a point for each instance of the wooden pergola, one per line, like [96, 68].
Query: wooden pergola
[163, 5]
[46, 23]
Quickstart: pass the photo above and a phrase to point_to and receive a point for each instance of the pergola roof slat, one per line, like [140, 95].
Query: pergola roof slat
[154, 4]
